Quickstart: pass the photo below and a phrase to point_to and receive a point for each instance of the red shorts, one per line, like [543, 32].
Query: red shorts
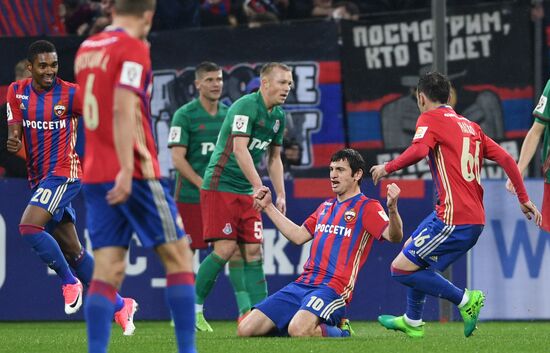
[546, 208]
[227, 215]
[192, 221]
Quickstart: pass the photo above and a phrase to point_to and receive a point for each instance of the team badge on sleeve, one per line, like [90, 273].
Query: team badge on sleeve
[420, 132]
[541, 105]
[10, 116]
[175, 134]
[240, 123]
[276, 126]
[131, 74]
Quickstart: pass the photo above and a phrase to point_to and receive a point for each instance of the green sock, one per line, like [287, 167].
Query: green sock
[207, 275]
[256, 284]
[236, 276]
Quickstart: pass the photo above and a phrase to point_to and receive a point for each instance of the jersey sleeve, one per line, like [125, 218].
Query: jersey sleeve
[179, 130]
[542, 110]
[133, 67]
[425, 131]
[242, 117]
[77, 102]
[375, 219]
[13, 112]
[311, 221]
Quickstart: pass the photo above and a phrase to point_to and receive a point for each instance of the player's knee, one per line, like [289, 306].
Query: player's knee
[298, 330]
[245, 329]
[225, 249]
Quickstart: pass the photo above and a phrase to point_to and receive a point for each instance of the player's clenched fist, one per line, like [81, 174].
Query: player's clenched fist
[393, 192]
[262, 197]
[378, 172]
[14, 143]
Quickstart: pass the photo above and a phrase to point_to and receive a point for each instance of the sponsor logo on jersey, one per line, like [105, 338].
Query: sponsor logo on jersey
[59, 109]
[350, 215]
[333, 229]
[131, 74]
[45, 125]
[207, 147]
[175, 134]
[541, 104]
[240, 123]
[420, 132]
[276, 126]
[22, 97]
[227, 229]
[259, 144]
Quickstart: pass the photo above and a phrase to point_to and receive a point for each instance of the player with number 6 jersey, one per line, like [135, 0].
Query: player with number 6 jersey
[456, 148]
[124, 193]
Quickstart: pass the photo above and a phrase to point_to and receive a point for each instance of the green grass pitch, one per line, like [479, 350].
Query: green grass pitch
[157, 337]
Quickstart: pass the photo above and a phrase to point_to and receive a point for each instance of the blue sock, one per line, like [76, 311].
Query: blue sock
[415, 304]
[333, 331]
[429, 282]
[180, 295]
[83, 265]
[45, 246]
[98, 311]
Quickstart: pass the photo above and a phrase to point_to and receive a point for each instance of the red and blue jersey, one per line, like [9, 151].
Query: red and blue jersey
[343, 234]
[49, 119]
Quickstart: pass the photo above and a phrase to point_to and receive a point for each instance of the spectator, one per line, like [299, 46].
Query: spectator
[217, 13]
[80, 15]
[105, 17]
[345, 10]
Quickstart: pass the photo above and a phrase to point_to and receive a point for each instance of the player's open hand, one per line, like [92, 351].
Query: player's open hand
[262, 198]
[378, 172]
[531, 212]
[393, 192]
[13, 143]
[510, 187]
[122, 188]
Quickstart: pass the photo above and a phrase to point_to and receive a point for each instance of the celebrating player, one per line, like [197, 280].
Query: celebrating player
[456, 148]
[343, 230]
[541, 126]
[193, 134]
[254, 123]
[43, 111]
[124, 193]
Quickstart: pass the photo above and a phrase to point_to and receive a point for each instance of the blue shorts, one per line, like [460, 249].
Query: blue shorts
[322, 301]
[150, 211]
[54, 194]
[437, 245]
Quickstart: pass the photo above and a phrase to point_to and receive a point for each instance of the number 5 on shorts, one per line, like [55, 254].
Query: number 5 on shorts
[258, 230]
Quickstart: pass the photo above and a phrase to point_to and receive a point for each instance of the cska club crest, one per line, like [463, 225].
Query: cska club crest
[276, 126]
[350, 215]
[59, 109]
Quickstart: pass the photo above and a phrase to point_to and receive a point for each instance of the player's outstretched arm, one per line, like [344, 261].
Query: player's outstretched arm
[394, 232]
[245, 162]
[293, 232]
[276, 174]
[528, 149]
[124, 126]
[13, 143]
[412, 155]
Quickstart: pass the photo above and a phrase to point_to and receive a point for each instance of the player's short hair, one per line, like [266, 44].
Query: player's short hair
[354, 158]
[134, 7]
[435, 86]
[39, 47]
[204, 67]
[21, 70]
[267, 68]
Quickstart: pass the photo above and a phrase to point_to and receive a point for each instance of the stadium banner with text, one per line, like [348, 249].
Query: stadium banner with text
[511, 260]
[30, 291]
[314, 107]
[489, 64]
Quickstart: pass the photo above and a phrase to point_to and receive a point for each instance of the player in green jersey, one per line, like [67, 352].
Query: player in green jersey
[254, 124]
[192, 138]
[541, 126]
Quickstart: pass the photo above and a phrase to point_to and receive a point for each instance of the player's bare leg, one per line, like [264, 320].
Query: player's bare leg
[177, 258]
[31, 227]
[255, 324]
[67, 238]
[304, 324]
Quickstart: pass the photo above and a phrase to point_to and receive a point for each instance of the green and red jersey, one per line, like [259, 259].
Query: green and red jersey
[542, 116]
[248, 116]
